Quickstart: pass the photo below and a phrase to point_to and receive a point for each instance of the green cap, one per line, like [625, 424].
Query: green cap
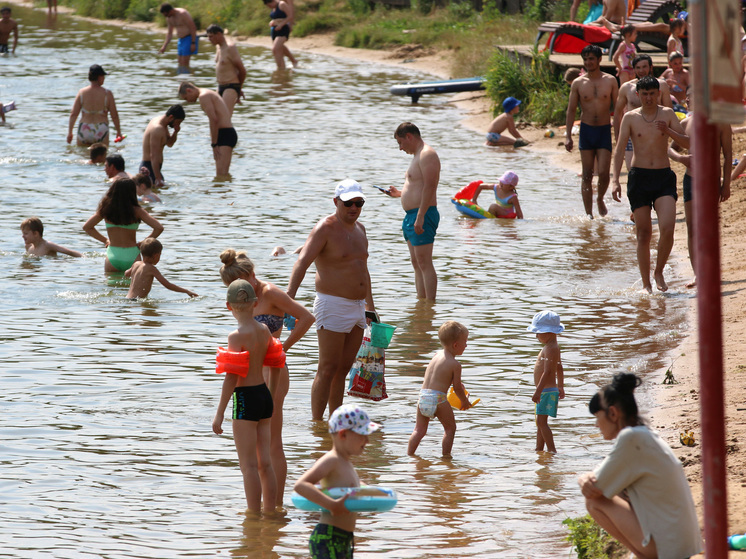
[240, 291]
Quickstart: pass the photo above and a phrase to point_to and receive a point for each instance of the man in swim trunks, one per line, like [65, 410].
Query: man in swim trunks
[419, 200]
[595, 92]
[7, 26]
[156, 137]
[223, 136]
[338, 245]
[725, 140]
[651, 183]
[229, 68]
[628, 99]
[180, 20]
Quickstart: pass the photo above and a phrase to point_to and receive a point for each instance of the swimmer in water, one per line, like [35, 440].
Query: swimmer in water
[506, 199]
[32, 230]
[143, 271]
[145, 187]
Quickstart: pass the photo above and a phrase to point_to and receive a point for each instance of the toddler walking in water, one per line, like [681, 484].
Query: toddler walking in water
[442, 372]
[548, 376]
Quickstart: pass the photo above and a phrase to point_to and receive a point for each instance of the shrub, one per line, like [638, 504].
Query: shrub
[590, 540]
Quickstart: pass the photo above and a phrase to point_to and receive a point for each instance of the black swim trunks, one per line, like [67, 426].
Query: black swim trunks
[227, 137]
[330, 542]
[234, 86]
[594, 137]
[687, 188]
[149, 166]
[252, 403]
[645, 186]
[3, 48]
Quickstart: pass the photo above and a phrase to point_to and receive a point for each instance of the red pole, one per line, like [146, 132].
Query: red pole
[706, 196]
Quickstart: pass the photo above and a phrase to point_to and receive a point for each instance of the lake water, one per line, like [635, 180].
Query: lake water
[106, 404]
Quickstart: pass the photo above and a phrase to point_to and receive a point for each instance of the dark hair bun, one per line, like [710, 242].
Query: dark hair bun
[625, 382]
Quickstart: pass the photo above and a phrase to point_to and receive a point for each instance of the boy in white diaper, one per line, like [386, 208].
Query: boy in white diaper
[442, 372]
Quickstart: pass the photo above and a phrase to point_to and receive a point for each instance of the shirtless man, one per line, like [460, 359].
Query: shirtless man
[628, 99]
[677, 77]
[725, 137]
[338, 246]
[229, 68]
[114, 167]
[613, 15]
[651, 183]
[419, 200]
[156, 137]
[594, 92]
[7, 26]
[180, 20]
[223, 136]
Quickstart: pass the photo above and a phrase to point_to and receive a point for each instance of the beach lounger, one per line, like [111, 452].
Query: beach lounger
[571, 37]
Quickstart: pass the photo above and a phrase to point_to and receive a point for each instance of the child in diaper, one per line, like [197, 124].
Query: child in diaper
[442, 372]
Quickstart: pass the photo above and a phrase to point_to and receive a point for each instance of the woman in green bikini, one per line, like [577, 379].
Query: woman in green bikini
[122, 214]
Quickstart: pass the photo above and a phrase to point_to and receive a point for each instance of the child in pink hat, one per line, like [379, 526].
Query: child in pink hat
[506, 199]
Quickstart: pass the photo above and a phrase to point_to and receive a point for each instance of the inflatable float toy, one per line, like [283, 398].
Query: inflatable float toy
[417, 90]
[455, 401]
[237, 362]
[120, 138]
[463, 203]
[366, 498]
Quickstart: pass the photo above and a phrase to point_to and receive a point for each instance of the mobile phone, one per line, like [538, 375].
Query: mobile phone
[384, 190]
[373, 315]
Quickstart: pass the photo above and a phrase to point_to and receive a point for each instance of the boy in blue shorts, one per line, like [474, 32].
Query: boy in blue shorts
[333, 537]
[548, 376]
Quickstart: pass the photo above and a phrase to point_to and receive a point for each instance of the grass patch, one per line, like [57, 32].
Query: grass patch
[591, 541]
[540, 86]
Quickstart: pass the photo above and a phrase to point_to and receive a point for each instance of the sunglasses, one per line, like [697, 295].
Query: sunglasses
[357, 202]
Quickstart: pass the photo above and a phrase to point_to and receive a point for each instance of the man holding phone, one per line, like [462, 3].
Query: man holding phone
[338, 245]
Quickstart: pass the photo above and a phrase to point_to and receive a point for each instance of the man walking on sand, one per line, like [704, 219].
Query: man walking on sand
[595, 92]
[628, 99]
[419, 200]
[180, 20]
[156, 137]
[651, 183]
[338, 245]
[229, 68]
[223, 137]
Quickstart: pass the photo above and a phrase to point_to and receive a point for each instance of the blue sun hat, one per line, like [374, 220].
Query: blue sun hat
[510, 103]
[546, 322]
[352, 417]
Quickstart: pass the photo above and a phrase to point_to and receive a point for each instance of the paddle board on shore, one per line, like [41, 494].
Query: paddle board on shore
[416, 90]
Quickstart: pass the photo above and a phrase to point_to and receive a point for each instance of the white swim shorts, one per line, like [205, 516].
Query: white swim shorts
[338, 314]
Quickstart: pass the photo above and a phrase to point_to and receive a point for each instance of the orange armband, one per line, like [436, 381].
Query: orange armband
[232, 362]
[275, 356]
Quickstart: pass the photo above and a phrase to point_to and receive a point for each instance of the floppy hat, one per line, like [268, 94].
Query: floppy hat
[352, 417]
[510, 103]
[240, 291]
[546, 322]
[349, 189]
[509, 177]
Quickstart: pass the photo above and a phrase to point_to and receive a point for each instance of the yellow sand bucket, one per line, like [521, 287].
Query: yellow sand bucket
[456, 402]
[381, 334]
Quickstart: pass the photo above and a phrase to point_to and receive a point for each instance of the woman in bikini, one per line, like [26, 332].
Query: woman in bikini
[273, 304]
[122, 214]
[93, 103]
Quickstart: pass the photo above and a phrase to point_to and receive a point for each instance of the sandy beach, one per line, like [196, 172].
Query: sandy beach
[677, 405]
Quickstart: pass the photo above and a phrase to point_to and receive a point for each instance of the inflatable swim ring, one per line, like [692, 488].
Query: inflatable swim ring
[366, 498]
[455, 401]
[468, 208]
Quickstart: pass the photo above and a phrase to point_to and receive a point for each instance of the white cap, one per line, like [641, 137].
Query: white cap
[348, 189]
[546, 322]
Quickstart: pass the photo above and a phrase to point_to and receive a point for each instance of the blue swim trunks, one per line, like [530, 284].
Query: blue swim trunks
[594, 137]
[185, 46]
[430, 225]
[493, 137]
[549, 402]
